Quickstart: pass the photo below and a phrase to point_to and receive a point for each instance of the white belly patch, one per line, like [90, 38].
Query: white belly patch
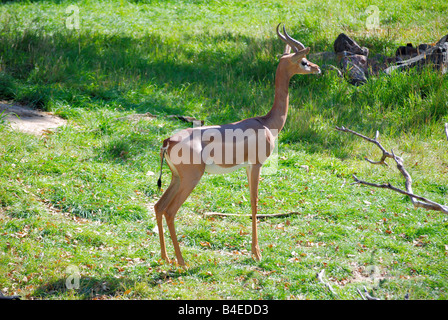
[216, 169]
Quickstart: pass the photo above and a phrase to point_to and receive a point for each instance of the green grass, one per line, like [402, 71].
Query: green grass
[82, 195]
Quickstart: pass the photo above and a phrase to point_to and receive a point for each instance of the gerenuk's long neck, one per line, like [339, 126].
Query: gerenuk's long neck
[276, 117]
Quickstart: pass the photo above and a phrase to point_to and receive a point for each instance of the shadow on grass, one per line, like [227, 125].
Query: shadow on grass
[220, 77]
[114, 286]
[89, 288]
[103, 68]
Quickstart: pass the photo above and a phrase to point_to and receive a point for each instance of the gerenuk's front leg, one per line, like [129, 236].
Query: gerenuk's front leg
[253, 175]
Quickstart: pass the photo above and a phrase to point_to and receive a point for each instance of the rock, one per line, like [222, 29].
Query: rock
[380, 62]
[436, 55]
[406, 52]
[409, 51]
[345, 43]
[423, 47]
[355, 69]
[353, 59]
[439, 57]
[356, 66]
[442, 40]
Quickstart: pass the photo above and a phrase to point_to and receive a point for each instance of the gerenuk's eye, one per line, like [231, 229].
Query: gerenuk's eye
[304, 63]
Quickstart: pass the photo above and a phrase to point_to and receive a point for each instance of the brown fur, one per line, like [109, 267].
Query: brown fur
[185, 176]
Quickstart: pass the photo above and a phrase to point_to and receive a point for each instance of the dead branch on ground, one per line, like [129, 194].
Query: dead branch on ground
[219, 214]
[319, 276]
[367, 295]
[417, 201]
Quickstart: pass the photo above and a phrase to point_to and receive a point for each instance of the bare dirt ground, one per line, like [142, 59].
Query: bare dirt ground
[29, 120]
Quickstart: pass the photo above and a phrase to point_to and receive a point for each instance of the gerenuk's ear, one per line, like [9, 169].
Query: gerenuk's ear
[287, 49]
[301, 54]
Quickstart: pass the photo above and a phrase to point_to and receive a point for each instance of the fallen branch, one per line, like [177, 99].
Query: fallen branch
[319, 276]
[424, 203]
[417, 201]
[367, 295]
[218, 214]
[360, 293]
[374, 141]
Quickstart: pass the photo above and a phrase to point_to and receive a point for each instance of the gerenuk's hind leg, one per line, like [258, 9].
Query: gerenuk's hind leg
[160, 209]
[186, 185]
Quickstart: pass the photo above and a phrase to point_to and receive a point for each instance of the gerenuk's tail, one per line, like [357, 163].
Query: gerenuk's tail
[162, 157]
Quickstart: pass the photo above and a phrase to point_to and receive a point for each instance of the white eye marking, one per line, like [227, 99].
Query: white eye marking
[305, 64]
